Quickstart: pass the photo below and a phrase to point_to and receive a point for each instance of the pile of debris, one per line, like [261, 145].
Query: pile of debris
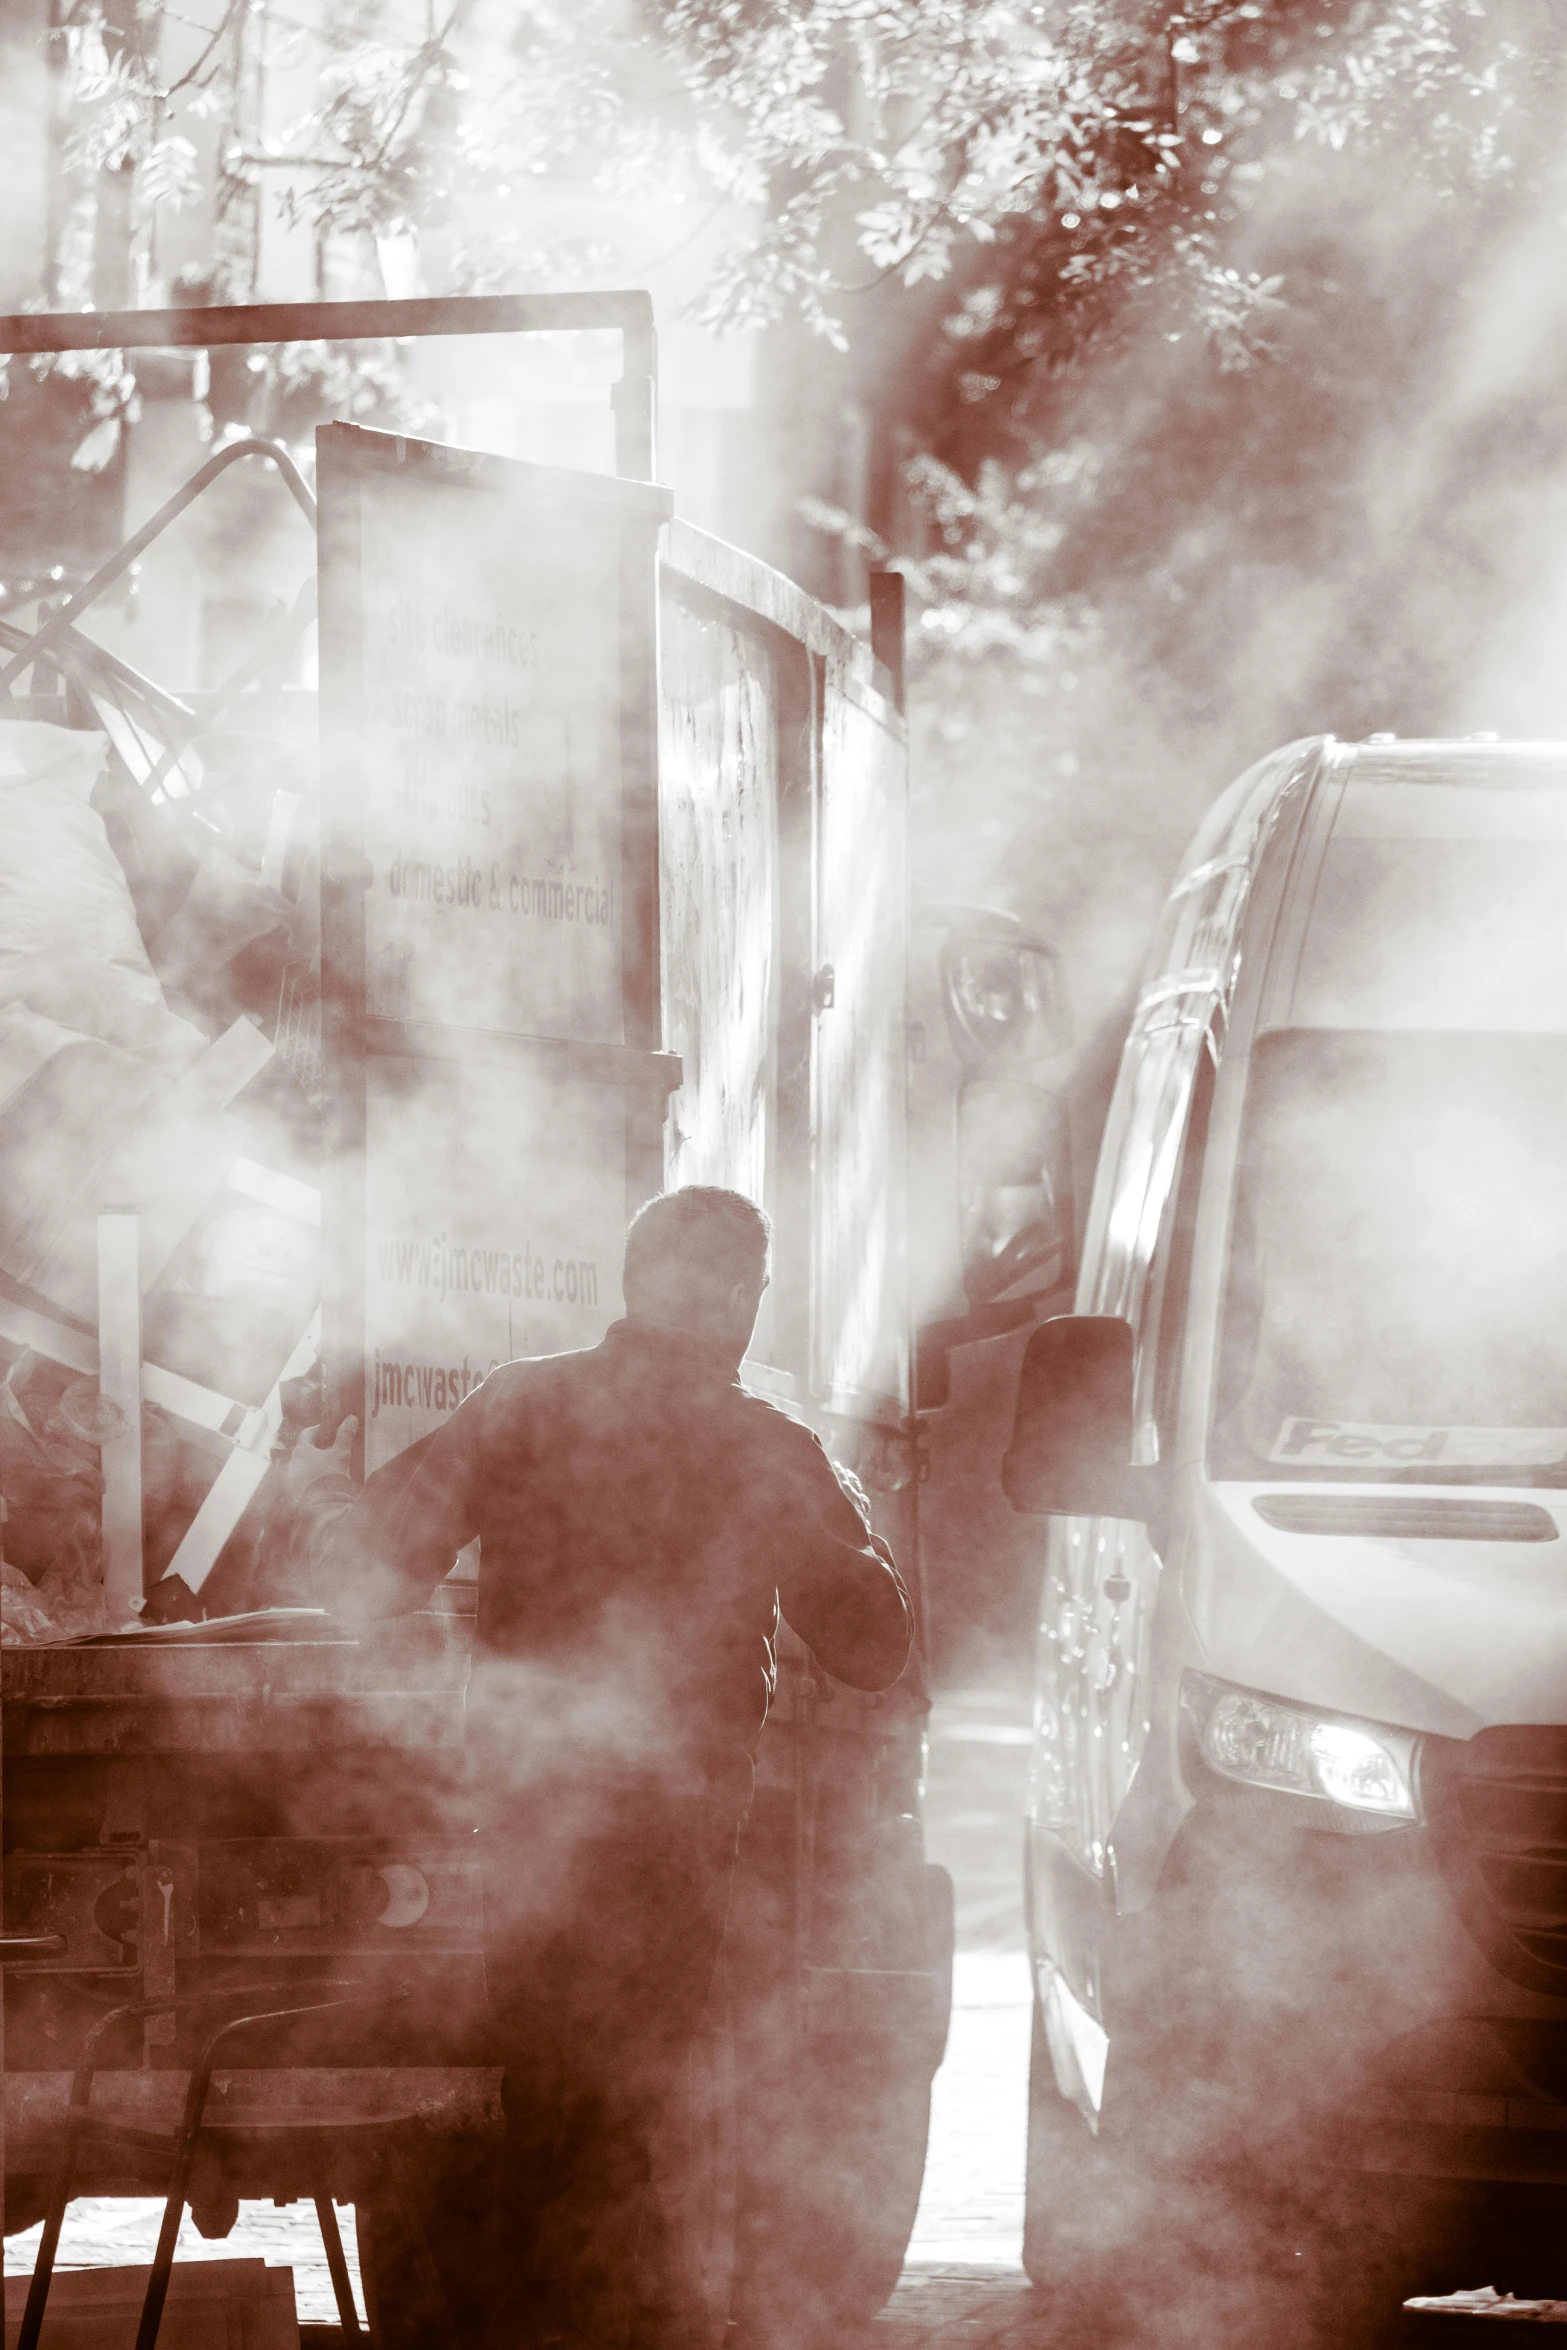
[159, 1181]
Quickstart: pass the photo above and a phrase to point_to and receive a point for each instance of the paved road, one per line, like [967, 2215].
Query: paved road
[964, 2287]
[971, 2212]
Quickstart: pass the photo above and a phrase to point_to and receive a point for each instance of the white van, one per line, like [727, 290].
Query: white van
[1297, 1837]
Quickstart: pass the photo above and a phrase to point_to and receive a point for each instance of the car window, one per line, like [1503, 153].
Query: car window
[1396, 1294]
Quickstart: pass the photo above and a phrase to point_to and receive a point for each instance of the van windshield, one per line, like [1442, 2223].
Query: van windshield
[1396, 1300]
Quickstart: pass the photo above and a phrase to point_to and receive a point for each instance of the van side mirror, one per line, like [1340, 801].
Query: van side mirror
[1071, 1453]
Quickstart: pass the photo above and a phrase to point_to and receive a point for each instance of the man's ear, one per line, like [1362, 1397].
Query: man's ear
[743, 1305]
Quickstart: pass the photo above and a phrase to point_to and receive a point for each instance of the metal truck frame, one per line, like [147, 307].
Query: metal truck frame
[189, 1808]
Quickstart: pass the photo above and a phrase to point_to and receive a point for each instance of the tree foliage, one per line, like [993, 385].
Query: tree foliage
[1050, 156]
[897, 139]
[1171, 311]
[1051, 182]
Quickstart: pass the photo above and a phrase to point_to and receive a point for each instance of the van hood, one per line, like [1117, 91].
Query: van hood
[1445, 1636]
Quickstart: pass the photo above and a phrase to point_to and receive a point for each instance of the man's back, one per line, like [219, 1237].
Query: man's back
[639, 1516]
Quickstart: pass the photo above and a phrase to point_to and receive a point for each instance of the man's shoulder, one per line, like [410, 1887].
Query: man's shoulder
[778, 1429]
[529, 1381]
[767, 1416]
[536, 1370]
[793, 1448]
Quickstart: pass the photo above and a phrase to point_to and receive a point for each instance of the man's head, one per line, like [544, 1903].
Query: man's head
[696, 1260]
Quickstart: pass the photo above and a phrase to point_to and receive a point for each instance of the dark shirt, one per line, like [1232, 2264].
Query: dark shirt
[640, 1518]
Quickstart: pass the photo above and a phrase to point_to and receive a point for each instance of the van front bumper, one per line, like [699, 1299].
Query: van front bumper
[1382, 1999]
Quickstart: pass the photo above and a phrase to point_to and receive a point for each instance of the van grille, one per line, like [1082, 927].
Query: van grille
[1419, 1518]
[1497, 1807]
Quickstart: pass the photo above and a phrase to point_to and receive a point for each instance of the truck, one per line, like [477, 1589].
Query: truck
[572, 865]
[1295, 1467]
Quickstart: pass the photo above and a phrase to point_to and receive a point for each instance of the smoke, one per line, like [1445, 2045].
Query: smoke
[1361, 531]
[1183, 567]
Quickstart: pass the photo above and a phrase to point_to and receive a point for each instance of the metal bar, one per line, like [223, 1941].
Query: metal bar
[184, 2156]
[641, 978]
[101, 665]
[49, 2243]
[59, 623]
[337, 2269]
[275, 641]
[634, 401]
[168, 2236]
[451, 2101]
[630, 312]
[888, 628]
[76, 2114]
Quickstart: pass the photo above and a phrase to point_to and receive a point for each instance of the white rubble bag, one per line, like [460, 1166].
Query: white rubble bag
[69, 945]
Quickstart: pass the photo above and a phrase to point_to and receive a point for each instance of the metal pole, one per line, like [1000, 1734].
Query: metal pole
[106, 574]
[628, 312]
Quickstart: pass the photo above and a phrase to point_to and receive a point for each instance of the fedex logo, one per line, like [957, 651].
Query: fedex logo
[1355, 1440]
[1368, 1443]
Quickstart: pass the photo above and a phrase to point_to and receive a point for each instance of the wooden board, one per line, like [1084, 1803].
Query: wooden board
[212, 2305]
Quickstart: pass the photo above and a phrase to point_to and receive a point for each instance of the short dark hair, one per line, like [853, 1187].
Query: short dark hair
[712, 1236]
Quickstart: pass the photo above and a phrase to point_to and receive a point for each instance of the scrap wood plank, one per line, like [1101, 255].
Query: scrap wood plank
[77, 1350]
[239, 1480]
[238, 2304]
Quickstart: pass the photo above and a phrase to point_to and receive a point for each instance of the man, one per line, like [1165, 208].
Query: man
[640, 1519]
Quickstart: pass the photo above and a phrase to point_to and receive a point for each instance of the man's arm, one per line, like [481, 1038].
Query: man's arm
[383, 1551]
[838, 1586]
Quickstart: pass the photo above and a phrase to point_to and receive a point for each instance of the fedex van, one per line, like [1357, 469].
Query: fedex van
[1297, 1837]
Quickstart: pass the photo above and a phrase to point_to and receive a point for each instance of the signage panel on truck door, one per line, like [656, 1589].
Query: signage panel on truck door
[492, 808]
[494, 1216]
[489, 913]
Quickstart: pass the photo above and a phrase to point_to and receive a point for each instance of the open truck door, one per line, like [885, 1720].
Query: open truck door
[783, 785]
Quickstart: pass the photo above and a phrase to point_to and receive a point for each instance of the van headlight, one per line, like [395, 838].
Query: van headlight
[1263, 1742]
